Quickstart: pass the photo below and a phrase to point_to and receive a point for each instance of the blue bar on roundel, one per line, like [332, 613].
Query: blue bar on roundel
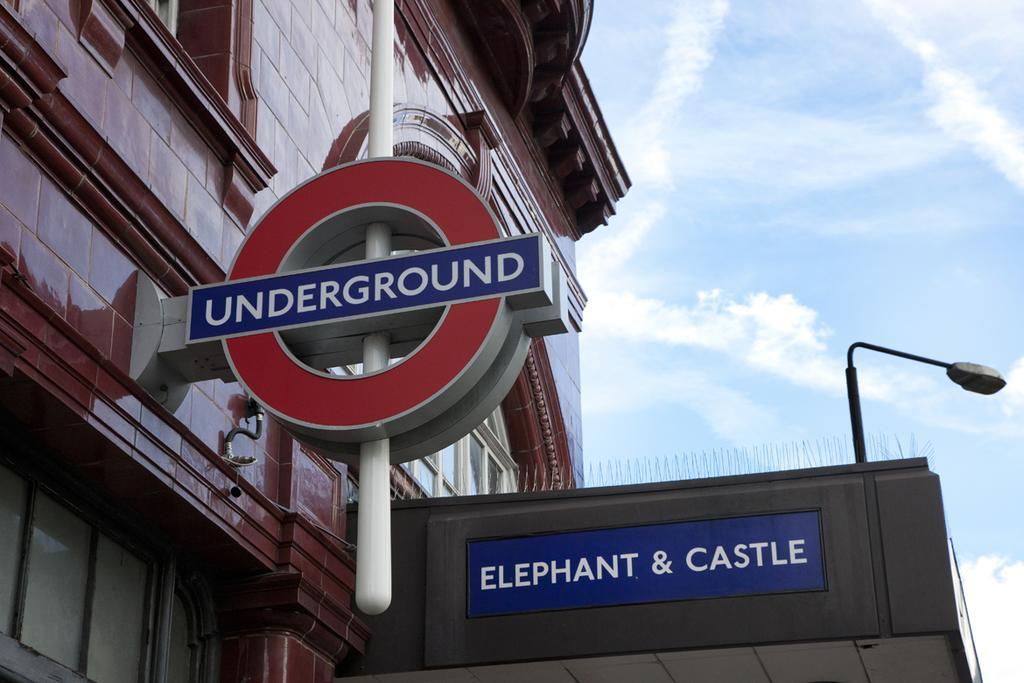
[779, 553]
[424, 279]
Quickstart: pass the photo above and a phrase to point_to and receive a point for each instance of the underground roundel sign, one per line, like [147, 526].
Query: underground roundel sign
[457, 301]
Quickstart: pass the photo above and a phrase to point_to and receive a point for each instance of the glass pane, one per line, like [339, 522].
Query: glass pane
[179, 654]
[164, 10]
[476, 466]
[55, 595]
[448, 463]
[499, 430]
[448, 491]
[13, 498]
[118, 608]
[425, 476]
[493, 476]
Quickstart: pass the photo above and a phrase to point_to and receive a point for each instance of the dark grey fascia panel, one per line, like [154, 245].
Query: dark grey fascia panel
[883, 540]
[916, 555]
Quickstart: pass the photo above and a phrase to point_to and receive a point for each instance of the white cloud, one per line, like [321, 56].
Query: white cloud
[868, 223]
[781, 150]
[1012, 396]
[994, 590]
[624, 379]
[981, 35]
[961, 109]
[602, 259]
[749, 138]
[768, 332]
[966, 113]
[689, 51]
[756, 147]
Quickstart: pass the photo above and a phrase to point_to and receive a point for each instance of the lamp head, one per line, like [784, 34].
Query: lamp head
[977, 378]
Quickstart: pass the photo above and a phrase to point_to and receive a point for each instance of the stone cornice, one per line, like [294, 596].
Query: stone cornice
[503, 34]
[603, 163]
[27, 72]
[529, 45]
[290, 602]
[531, 50]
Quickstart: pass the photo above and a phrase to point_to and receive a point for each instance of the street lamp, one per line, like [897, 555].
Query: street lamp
[972, 377]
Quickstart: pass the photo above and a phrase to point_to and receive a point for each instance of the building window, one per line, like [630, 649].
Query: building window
[69, 591]
[167, 10]
[80, 597]
[478, 463]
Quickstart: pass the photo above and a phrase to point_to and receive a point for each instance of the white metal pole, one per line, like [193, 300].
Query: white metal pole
[382, 78]
[373, 555]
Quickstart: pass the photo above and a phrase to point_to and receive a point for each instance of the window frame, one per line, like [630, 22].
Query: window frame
[34, 488]
[171, 21]
[493, 437]
[164, 579]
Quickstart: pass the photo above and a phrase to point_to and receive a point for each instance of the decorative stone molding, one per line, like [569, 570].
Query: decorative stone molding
[10, 350]
[81, 158]
[544, 417]
[483, 136]
[529, 46]
[426, 136]
[237, 195]
[536, 432]
[570, 129]
[531, 50]
[419, 150]
[350, 143]
[289, 602]
[205, 636]
[243, 65]
[217, 34]
[27, 72]
[101, 29]
[224, 127]
[503, 34]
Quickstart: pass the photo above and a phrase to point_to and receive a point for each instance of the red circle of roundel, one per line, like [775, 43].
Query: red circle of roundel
[311, 398]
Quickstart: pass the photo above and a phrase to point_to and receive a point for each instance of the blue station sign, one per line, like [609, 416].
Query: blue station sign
[425, 279]
[776, 553]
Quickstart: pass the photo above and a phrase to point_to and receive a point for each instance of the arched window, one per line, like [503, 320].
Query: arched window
[192, 641]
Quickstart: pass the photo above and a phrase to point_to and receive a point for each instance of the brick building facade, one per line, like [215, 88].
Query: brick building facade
[144, 137]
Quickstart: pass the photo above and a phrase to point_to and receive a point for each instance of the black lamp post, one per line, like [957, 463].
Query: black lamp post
[972, 377]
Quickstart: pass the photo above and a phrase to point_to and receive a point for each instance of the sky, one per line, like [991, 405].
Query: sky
[806, 175]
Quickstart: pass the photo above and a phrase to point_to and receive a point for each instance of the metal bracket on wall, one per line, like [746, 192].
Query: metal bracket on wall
[253, 409]
[161, 361]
